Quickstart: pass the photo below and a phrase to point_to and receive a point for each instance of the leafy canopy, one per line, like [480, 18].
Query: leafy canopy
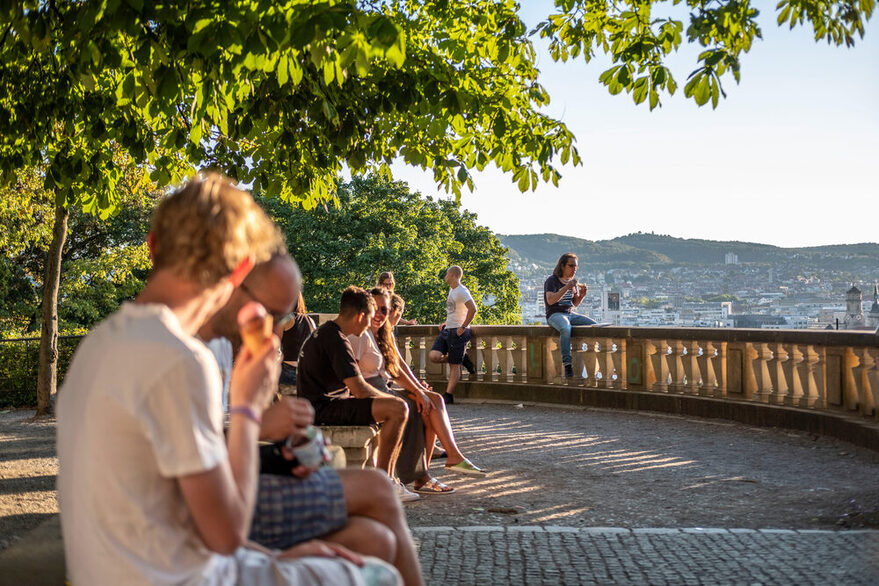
[284, 95]
[382, 226]
[639, 35]
[279, 95]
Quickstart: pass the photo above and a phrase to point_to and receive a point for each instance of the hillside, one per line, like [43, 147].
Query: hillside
[643, 249]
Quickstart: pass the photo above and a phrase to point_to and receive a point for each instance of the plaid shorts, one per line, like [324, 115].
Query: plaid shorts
[290, 510]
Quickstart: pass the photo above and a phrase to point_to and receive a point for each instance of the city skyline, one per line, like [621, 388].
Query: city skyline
[785, 159]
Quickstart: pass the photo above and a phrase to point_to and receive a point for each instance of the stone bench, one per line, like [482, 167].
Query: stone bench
[358, 442]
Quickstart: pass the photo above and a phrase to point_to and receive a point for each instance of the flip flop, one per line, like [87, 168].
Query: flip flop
[434, 486]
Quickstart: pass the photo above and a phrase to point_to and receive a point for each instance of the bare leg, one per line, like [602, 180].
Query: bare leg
[439, 425]
[367, 537]
[429, 439]
[368, 493]
[454, 376]
[438, 357]
[392, 414]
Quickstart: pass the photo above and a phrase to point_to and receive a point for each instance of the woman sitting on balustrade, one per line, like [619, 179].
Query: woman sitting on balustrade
[379, 360]
[562, 293]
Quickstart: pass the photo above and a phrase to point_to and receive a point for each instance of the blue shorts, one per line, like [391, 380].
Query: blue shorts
[290, 510]
[449, 342]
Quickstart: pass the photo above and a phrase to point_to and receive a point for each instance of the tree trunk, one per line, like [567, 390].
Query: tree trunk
[47, 372]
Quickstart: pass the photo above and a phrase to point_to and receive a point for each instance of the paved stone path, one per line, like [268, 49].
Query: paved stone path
[609, 497]
[554, 555]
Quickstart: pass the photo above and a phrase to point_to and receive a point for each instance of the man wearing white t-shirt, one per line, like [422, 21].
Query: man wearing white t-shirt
[150, 490]
[451, 344]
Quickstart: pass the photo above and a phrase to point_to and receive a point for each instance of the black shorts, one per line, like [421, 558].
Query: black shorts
[449, 342]
[344, 412]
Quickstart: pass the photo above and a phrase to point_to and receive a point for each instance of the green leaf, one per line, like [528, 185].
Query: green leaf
[499, 126]
[283, 76]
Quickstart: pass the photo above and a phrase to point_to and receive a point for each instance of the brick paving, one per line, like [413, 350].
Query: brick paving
[554, 555]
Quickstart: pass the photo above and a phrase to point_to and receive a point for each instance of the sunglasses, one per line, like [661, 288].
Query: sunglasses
[382, 310]
[279, 319]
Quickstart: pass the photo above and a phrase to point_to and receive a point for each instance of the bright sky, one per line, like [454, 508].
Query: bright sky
[788, 158]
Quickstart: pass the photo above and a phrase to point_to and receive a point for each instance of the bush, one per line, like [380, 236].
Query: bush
[19, 358]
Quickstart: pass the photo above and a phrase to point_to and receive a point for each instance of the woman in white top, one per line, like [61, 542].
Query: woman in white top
[436, 419]
[379, 360]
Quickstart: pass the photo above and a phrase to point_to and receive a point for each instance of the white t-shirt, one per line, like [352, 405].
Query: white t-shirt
[456, 308]
[369, 357]
[221, 348]
[140, 407]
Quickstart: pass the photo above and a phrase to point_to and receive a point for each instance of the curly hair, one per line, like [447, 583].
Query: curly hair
[205, 229]
[384, 337]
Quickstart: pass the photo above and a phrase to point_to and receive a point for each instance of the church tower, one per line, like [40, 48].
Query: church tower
[854, 316]
[873, 316]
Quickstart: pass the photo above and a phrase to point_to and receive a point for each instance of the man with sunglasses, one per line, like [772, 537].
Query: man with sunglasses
[562, 293]
[356, 508]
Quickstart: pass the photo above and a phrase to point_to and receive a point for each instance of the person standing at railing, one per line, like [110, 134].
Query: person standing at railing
[562, 293]
[451, 344]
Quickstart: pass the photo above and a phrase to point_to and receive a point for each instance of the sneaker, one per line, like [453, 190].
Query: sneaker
[405, 495]
[468, 364]
[569, 371]
[467, 467]
[448, 398]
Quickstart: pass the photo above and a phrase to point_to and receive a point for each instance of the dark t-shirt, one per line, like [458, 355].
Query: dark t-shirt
[325, 361]
[292, 340]
[565, 304]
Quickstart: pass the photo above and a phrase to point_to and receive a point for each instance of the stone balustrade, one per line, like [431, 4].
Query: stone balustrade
[817, 371]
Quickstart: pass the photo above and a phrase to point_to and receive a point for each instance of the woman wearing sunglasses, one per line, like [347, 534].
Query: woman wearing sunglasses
[379, 360]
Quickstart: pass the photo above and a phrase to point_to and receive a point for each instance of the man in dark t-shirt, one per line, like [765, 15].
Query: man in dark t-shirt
[328, 376]
[562, 293]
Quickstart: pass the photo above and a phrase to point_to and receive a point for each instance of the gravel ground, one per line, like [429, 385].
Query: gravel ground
[28, 468]
[571, 467]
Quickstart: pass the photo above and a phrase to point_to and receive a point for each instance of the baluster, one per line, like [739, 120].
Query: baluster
[576, 361]
[617, 363]
[811, 371]
[479, 352]
[676, 366]
[718, 359]
[520, 359]
[590, 361]
[866, 386]
[419, 368]
[851, 398]
[552, 359]
[506, 353]
[491, 358]
[707, 370]
[776, 373]
[792, 371]
[650, 351]
[691, 367]
[605, 360]
[659, 361]
[759, 364]
[871, 385]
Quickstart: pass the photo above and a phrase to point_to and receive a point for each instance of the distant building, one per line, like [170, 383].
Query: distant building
[731, 258]
[854, 310]
[610, 307]
[873, 315]
[759, 321]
